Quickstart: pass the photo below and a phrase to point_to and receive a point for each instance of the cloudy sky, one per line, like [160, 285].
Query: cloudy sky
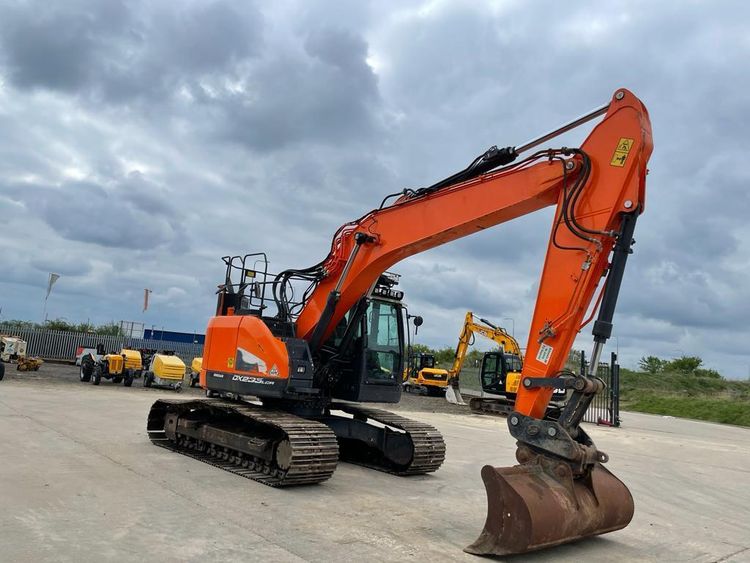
[140, 141]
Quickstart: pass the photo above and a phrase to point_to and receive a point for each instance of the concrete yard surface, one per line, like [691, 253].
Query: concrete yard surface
[80, 481]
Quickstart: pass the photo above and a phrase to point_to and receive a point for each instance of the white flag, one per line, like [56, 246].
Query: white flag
[52, 279]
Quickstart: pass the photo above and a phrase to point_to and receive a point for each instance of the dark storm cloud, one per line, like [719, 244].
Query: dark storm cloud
[58, 46]
[118, 51]
[208, 37]
[165, 135]
[328, 95]
[123, 216]
[447, 287]
[204, 55]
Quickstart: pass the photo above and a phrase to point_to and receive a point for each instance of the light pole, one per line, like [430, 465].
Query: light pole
[512, 326]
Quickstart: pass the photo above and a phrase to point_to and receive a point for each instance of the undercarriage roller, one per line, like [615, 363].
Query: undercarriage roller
[540, 503]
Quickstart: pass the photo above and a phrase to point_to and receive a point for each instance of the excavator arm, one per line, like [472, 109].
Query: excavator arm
[560, 491]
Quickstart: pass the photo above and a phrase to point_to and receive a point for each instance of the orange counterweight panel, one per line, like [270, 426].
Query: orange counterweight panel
[243, 345]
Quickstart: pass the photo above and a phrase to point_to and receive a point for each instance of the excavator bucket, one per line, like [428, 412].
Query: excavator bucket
[539, 504]
[453, 396]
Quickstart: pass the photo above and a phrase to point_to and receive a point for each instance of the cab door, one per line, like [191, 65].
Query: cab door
[493, 373]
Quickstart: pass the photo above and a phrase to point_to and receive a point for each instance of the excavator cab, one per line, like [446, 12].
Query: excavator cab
[371, 361]
[500, 374]
[422, 360]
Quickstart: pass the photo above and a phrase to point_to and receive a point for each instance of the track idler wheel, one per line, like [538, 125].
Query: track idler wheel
[539, 504]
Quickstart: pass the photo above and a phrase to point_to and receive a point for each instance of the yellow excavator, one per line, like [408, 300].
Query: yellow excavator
[422, 375]
[501, 381]
[500, 374]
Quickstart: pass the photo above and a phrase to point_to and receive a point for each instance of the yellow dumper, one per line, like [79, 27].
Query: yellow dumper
[195, 371]
[164, 371]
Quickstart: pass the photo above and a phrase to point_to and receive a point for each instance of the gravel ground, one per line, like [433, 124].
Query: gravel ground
[54, 374]
[80, 481]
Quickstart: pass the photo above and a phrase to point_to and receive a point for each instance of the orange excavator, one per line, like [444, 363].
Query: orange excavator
[310, 360]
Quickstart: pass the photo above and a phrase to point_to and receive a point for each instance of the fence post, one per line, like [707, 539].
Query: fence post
[615, 390]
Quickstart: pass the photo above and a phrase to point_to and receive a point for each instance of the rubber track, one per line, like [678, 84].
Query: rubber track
[493, 407]
[314, 446]
[429, 446]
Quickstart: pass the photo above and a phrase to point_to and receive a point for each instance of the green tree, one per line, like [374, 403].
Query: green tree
[684, 364]
[109, 329]
[711, 373]
[444, 355]
[652, 364]
[15, 323]
[421, 349]
[59, 324]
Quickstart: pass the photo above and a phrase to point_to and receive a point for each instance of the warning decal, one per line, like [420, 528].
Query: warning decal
[544, 353]
[621, 152]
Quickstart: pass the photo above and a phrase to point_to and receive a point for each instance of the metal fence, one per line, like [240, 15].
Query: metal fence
[62, 345]
[605, 407]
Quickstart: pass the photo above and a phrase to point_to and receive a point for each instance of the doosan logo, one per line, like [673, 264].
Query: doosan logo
[248, 379]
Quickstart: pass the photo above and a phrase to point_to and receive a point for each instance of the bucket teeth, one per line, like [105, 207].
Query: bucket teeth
[539, 504]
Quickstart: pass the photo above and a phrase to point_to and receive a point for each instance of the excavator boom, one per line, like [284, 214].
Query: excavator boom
[613, 159]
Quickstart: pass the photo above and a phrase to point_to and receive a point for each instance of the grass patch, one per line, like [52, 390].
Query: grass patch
[686, 396]
[672, 394]
[727, 410]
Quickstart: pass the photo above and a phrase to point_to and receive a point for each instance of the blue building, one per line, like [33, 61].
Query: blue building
[172, 336]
